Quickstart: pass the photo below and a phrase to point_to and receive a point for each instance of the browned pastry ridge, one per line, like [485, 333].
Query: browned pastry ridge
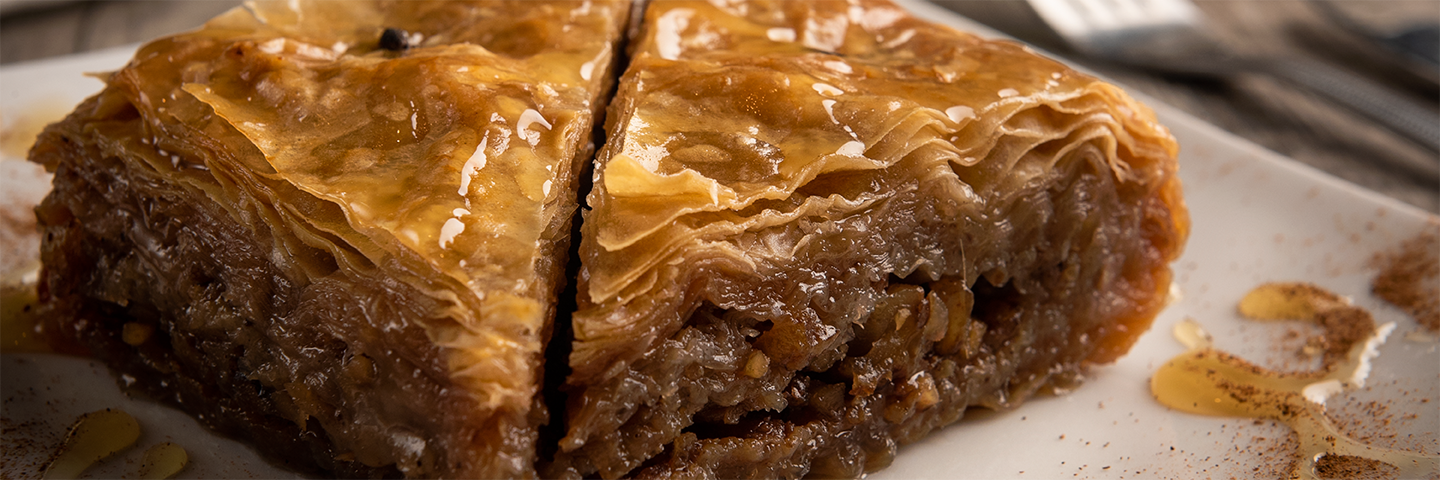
[336, 229]
[823, 229]
[817, 231]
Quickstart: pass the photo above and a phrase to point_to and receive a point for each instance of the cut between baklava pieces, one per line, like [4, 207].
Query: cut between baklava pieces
[817, 231]
[336, 229]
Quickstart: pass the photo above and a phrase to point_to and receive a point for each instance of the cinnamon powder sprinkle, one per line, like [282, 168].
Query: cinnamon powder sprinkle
[1354, 468]
[1408, 279]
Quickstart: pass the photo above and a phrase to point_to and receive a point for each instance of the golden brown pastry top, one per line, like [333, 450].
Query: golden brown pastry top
[807, 88]
[443, 158]
[743, 132]
[448, 148]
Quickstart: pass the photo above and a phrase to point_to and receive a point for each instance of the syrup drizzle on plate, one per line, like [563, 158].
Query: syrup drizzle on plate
[162, 461]
[100, 435]
[94, 437]
[1208, 381]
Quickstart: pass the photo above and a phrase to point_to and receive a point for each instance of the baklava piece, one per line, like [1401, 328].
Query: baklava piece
[820, 230]
[335, 229]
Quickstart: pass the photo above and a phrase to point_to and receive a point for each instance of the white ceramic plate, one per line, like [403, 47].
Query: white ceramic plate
[1257, 218]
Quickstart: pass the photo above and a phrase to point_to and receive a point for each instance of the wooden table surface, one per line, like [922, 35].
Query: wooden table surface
[1294, 123]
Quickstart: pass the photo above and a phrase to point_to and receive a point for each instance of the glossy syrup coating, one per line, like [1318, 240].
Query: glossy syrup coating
[821, 229]
[346, 220]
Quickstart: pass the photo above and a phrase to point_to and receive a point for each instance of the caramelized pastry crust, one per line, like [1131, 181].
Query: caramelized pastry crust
[820, 230]
[344, 221]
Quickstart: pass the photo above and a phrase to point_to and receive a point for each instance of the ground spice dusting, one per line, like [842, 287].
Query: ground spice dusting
[1343, 328]
[1408, 279]
[1354, 468]
[18, 436]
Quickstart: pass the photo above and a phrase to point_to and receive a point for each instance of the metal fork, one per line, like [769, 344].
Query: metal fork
[1169, 36]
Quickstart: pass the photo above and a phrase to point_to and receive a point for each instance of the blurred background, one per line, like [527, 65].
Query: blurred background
[1394, 44]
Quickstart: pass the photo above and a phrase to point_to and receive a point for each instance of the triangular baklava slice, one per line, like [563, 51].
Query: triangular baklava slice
[822, 229]
[337, 229]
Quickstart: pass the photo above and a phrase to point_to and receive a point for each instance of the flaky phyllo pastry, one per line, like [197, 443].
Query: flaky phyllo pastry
[817, 230]
[822, 229]
[343, 224]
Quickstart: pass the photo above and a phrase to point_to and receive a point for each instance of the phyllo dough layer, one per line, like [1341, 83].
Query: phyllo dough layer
[336, 228]
[823, 229]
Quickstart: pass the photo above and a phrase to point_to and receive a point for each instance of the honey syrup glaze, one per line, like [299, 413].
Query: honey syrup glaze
[162, 461]
[94, 437]
[20, 326]
[1208, 381]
